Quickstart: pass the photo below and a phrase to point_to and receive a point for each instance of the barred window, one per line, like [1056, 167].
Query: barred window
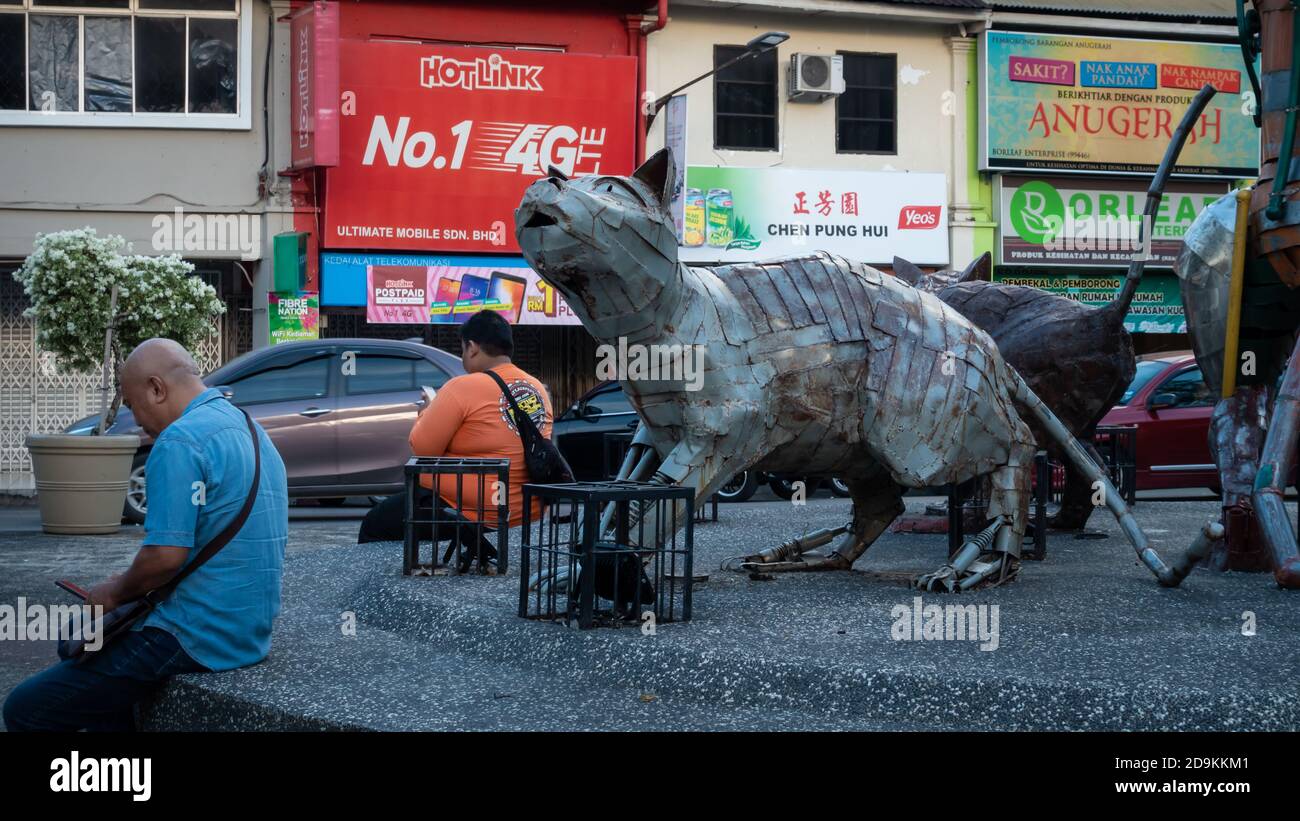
[744, 100]
[866, 114]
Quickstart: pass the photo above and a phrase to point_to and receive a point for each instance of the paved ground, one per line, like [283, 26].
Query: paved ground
[1086, 640]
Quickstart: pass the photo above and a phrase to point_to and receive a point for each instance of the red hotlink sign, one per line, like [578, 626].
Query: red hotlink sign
[438, 143]
[314, 86]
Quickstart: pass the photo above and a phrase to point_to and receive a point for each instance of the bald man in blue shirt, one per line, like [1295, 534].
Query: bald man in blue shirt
[200, 471]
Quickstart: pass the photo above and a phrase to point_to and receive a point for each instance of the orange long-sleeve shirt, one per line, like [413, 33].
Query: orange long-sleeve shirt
[470, 418]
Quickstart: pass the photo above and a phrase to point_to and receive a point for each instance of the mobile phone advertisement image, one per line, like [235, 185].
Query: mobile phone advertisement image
[473, 293]
[426, 289]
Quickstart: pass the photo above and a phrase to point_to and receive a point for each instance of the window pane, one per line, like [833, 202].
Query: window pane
[160, 64]
[381, 374]
[748, 88]
[860, 102]
[13, 75]
[427, 373]
[869, 70]
[213, 68]
[99, 4]
[735, 98]
[857, 135]
[108, 63]
[1189, 390]
[1146, 371]
[52, 62]
[189, 5]
[303, 380]
[759, 69]
[866, 112]
[746, 132]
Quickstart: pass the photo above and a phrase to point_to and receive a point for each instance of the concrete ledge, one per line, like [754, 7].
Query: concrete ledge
[1087, 642]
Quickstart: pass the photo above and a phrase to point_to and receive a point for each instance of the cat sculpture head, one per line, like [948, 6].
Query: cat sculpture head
[607, 243]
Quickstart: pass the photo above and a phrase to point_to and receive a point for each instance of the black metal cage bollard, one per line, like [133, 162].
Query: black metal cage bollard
[570, 568]
[468, 533]
[968, 504]
[1117, 445]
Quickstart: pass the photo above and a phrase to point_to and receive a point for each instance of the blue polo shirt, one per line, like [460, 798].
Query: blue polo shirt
[199, 473]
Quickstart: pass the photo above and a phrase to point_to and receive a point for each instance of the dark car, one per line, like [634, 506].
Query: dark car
[338, 410]
[580, 434]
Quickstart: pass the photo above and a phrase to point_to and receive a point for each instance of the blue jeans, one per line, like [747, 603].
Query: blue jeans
[99, 694]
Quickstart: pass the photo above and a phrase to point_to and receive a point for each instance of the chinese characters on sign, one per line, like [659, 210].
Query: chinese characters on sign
[760, 213]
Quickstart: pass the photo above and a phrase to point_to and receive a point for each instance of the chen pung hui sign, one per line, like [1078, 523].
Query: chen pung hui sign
[1110, 105]
[438, 143]
[735, 214]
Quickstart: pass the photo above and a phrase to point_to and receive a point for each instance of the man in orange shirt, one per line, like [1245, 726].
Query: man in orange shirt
[470, 418]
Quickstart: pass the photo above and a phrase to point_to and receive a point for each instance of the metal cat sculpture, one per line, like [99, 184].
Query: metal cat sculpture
[1239, 273]
[814, 364]
[1077, 358]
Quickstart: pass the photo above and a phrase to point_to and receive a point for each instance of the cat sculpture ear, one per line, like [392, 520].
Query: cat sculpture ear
[660, 174]
[979, 269]
[908, 272]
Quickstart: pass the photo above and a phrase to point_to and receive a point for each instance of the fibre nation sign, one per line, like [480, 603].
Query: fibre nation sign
[1110, 105]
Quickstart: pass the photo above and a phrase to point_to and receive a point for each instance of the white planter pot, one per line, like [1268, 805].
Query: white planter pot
[81, 481]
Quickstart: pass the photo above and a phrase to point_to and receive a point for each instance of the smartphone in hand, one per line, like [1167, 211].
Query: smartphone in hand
[426, 398]
[72, 588]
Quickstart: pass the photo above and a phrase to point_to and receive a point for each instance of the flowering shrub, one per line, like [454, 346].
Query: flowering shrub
[69, 277]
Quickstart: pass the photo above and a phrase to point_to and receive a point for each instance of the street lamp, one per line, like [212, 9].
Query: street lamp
[763, 42]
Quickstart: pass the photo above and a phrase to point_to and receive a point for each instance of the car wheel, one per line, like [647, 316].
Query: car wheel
[136, 498]
[839, 488]
[742, 486]
[785, 487]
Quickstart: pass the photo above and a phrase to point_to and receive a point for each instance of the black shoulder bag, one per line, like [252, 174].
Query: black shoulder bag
[546, 466]
[119, 621]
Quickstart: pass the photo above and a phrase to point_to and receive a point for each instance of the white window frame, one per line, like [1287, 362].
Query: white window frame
[241, 120]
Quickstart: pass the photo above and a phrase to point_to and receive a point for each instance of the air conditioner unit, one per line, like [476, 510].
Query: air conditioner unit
[814, 77]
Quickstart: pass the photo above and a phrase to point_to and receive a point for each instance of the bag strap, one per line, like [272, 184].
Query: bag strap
[519, 426]
[225, 536]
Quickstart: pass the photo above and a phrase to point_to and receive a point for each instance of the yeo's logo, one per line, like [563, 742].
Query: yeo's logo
[919, 217]
[492, 73]
[1037, 212]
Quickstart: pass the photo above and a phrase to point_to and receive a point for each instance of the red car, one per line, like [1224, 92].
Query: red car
[1170, 404]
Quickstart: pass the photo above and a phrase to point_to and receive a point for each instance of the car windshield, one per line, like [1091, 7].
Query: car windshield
[1146, 371]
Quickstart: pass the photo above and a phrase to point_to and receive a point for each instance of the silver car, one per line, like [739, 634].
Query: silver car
[338, 410]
